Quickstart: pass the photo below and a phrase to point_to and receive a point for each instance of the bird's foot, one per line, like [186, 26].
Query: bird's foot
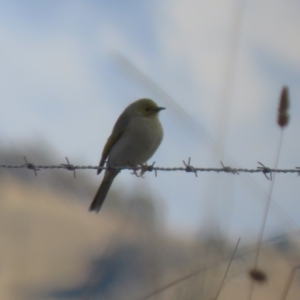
[143, 169]
[135, 172]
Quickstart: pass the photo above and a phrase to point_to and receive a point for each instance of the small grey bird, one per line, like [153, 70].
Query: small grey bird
[134, 139]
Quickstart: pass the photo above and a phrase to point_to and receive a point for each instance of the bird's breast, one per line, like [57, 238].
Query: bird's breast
[139, 142]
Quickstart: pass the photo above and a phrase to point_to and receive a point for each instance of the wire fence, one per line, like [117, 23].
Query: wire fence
[148, 168]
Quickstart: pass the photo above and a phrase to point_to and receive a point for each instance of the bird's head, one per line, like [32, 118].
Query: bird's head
[146, 107]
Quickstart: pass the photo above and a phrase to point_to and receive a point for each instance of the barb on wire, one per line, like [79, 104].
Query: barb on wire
[30, 166]
[151, 168]
[69, 167]
[228, 169]
[189, 168]
[265, 170]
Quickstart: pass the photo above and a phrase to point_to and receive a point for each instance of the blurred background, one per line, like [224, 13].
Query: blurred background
[67, 71]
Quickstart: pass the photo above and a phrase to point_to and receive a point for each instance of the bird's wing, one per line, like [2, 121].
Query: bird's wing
[116, 134]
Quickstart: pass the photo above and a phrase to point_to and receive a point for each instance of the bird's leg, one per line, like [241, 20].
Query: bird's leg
[134, 172]
[143, 168]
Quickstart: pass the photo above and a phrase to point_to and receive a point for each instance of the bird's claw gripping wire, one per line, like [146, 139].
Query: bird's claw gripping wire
[144, 168]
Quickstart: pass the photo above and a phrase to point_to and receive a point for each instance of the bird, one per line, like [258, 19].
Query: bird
[135, 137]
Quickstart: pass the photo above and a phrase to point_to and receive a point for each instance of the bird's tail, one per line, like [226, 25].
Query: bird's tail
[103, 190]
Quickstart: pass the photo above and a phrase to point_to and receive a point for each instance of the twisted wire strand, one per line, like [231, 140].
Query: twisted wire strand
[187, 168]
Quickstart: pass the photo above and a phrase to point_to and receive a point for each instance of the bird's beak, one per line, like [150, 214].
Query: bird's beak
[159, 108]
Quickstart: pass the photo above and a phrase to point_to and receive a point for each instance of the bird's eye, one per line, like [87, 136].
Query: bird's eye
[147, 109]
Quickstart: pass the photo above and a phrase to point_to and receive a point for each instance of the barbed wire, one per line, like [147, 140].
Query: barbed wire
[148, 168]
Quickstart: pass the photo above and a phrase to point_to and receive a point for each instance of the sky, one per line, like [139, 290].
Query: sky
[69, 68]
